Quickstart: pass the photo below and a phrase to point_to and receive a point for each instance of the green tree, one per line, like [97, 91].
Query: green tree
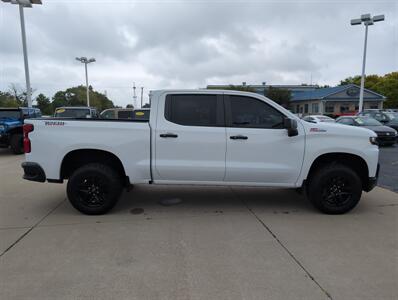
[8, 100]
[76, 96]
[386, 85]
[280, 96]
[44, 104]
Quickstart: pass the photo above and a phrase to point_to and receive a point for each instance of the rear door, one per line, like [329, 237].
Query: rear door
[190, 138]
[259, 149]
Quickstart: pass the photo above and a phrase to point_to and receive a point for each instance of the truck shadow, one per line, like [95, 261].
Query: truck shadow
[5, 152]
[204, 199]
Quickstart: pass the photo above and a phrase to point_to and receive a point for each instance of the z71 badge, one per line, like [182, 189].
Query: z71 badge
[54, 123]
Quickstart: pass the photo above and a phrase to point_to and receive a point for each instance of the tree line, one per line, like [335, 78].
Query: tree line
[386, 85]
[75, 96]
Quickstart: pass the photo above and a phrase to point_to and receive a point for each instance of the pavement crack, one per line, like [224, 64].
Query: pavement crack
[281, 244]
[31, 228]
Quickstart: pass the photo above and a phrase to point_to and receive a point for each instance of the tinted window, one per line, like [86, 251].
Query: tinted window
[125, 114]
[108, 114]
[346, 121]
[12, 114]
[192, 110]
[72, 113]
[253, 113]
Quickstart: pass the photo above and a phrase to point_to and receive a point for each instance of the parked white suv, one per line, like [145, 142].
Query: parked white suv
[203, 137]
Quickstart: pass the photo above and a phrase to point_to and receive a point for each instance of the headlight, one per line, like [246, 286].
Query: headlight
[2, 127]
[373, 140]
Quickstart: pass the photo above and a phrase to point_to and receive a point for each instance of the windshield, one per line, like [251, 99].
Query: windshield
[392, 116]
[14, 114]
[325, 119]
[367, 122]
[72, 113]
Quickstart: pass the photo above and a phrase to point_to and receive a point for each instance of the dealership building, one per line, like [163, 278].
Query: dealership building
[311, 99]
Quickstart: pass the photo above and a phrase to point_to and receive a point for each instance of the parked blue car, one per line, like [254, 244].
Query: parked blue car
[11, 126]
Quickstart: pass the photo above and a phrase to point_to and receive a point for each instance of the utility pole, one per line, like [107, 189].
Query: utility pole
[134, 96]
[142, 94]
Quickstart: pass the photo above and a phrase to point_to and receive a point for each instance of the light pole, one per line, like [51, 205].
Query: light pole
[367, 20]
[86, 61]
[22, 4]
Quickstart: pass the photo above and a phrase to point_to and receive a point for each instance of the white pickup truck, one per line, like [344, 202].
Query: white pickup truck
[203, 137]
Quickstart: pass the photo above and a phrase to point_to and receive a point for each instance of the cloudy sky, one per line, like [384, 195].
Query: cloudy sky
[189, 44]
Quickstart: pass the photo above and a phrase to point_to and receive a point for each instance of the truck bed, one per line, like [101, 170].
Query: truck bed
[53, 138]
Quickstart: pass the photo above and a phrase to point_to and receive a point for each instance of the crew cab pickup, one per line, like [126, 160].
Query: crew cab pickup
[203, 137]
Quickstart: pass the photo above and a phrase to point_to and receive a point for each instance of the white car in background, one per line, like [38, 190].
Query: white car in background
[318, 119]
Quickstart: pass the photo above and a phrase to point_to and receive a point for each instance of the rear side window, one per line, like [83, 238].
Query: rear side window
[192, 110]
[252, 113]
[346, 121]
[125, 114]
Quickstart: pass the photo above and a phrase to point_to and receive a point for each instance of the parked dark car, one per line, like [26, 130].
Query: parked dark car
[378, 114]
[11, 126]
[393, 123]
[385, 135]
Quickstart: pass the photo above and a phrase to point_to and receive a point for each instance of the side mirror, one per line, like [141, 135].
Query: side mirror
[291, 126]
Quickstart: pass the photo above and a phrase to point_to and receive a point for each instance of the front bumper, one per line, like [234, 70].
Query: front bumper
[33, 172]
[386, 140]
[372, 181]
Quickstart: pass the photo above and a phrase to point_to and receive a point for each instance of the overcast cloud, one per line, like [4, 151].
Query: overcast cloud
[189, 44]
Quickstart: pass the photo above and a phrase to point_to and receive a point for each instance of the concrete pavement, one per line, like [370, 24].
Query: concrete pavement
[219, 243]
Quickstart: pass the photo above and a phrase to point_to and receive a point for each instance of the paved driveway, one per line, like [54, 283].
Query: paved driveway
[218, 243]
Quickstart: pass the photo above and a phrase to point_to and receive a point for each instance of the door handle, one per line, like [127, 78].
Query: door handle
[238, 137]
[168, 135]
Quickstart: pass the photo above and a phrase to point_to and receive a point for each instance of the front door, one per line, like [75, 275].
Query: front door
[259, 149]
[190, 138]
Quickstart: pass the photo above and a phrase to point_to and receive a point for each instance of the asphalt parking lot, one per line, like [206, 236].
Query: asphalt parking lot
[218, 243]
[389, 168]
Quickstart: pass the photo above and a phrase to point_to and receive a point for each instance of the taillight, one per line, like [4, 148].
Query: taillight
[26, 142]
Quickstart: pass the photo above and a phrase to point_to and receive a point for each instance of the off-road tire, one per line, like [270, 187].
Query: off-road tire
[334, 188]
[94, 189]
[16, 143]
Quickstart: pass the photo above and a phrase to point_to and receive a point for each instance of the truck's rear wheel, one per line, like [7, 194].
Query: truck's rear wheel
[94, 189]
[335, 189]
[16, 143]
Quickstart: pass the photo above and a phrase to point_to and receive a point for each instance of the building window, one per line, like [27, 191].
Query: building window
[344, 108]
[315, 108]
[329, 108]
[306, 108]
[373, 106]
[297, 108]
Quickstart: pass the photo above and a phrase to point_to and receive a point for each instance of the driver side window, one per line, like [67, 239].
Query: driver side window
[252, 113]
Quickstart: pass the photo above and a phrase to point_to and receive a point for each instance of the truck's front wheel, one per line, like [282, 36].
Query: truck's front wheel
[94, 189]
[334, 189]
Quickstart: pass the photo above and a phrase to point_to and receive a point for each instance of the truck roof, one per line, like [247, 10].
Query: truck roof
[76, 107]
